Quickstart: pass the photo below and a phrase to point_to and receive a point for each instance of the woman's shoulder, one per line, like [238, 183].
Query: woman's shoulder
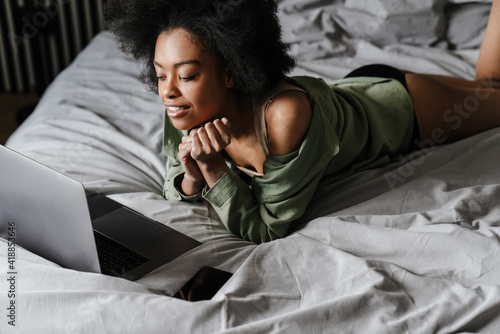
[289, 112]
[287, 118]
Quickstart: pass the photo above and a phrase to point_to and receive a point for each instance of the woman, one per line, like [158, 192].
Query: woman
[219, 67]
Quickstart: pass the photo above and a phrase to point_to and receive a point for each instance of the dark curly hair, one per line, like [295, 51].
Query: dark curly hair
[243, 33]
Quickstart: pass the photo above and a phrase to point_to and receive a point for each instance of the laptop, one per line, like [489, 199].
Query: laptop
[50, 215]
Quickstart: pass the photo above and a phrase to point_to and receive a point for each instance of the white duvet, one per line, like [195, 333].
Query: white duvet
[410, 248]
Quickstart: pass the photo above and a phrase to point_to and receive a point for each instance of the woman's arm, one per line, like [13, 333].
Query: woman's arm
[266, 211]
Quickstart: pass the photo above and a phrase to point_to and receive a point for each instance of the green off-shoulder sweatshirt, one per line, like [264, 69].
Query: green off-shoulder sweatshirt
[357, 124]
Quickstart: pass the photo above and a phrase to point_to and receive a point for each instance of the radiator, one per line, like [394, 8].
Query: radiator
[39, 38]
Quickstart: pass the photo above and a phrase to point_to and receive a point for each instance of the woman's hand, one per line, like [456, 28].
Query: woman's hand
[193, 178]
[199, 155]
[209, 140]
[207, 143]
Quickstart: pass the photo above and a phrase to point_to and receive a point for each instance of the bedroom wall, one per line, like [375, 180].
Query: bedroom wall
[39, 38]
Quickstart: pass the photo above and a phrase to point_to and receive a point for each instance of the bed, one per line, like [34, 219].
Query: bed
[413, 247]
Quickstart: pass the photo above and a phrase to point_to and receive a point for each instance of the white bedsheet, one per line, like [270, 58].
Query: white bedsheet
[410, 248]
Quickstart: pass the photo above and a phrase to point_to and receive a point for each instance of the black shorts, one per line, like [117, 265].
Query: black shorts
[381, 71]
[386, 71]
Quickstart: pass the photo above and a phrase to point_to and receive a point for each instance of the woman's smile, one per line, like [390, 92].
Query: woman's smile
[177, 111]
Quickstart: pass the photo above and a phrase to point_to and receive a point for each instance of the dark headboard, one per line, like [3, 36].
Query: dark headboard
[39, 38]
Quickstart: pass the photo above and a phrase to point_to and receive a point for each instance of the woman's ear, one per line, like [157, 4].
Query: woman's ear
[229, 76]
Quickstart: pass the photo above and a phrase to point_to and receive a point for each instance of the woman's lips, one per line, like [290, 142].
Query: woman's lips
[176, 111]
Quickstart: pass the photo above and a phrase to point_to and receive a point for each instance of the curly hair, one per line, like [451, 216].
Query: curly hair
[243, 33]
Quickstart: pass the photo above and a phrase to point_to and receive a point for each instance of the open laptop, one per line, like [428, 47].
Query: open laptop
[51, 216]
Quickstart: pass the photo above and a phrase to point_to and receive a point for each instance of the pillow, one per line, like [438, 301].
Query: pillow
[467, 24]
[385, 22]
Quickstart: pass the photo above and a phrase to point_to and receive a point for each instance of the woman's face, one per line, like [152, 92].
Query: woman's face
[193, 88]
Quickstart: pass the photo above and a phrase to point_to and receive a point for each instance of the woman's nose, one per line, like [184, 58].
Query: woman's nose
[169, 90]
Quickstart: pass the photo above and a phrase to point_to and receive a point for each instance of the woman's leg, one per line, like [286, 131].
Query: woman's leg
[488, 64]
[446, 113]
[449, 109]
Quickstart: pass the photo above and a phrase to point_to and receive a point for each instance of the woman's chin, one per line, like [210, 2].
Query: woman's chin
[182, 124]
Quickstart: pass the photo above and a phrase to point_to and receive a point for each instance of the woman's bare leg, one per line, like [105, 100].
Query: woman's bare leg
[488, 64]
[449, 109]
[448, 113]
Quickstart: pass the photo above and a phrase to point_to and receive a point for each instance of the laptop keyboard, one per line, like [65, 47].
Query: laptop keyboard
[114, 258]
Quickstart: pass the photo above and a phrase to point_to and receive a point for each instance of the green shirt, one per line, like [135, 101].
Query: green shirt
[356, 124]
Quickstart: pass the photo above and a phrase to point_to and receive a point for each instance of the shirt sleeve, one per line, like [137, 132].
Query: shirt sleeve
[251, 218]
[173, 179]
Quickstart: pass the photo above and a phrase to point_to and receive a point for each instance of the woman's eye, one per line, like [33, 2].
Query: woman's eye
[185, 79]
[159, 77]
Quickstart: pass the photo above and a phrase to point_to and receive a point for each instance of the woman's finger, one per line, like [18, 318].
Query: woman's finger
[216, 141]
[202, 135]
[196, 145]
[223, 131]
[187, 139]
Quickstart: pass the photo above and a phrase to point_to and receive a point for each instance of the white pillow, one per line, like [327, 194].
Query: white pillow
[385, 22]
[467, 24]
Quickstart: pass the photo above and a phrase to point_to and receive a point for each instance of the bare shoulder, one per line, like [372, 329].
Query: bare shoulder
[288, 118]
